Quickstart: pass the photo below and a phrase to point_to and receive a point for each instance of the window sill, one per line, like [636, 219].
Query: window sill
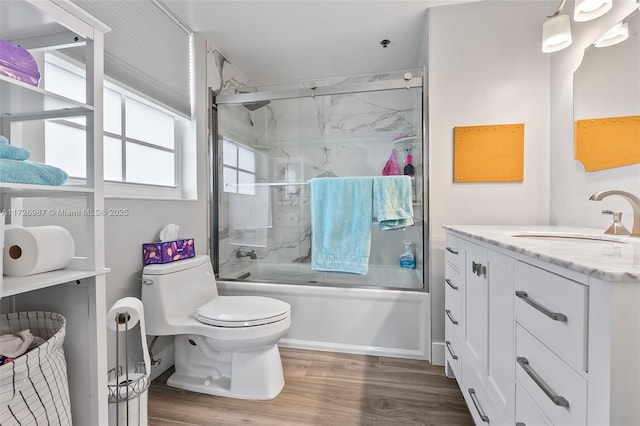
[147, 198]
[128, 191]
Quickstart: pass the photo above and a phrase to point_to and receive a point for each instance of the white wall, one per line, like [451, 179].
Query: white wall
[125, 235]
[485, 67]
[571, 186]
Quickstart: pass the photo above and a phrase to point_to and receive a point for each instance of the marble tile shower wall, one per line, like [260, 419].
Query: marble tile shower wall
[337, 135]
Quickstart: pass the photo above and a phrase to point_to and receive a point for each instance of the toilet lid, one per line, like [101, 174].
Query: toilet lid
[242, 311]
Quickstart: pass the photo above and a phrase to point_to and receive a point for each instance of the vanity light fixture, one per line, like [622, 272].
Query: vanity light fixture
[615, 35]
[586, 10]
[556, 31]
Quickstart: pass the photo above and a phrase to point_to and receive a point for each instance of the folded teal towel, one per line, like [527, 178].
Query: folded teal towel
[341, 212]
[15, 171]
[392, 202]
[12, 152]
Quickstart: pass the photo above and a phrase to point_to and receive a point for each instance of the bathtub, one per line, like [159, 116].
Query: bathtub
[301, 273]
[327, 313]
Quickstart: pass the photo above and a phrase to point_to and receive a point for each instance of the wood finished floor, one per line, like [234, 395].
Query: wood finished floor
[325, 388]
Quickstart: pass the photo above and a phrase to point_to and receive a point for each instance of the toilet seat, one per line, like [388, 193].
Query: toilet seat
[242, 311]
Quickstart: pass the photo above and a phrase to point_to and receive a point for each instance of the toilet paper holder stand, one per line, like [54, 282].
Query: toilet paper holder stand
[125, 386]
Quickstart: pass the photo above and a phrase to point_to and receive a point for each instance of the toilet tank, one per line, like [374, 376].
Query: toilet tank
[173, 291]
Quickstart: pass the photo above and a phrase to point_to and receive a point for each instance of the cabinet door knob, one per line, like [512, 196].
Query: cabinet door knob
[556, 316]
[556, 399]
[479, 269]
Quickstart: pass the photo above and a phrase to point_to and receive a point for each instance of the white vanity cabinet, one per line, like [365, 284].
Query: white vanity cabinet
[551, 329]
[484, 364]
[78, 291]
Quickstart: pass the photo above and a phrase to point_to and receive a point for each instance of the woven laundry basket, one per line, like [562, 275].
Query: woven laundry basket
[34, 389]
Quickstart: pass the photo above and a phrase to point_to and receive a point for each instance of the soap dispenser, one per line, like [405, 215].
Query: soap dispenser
[407, 258]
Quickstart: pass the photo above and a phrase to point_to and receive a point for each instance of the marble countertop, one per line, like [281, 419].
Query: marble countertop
[617, 261]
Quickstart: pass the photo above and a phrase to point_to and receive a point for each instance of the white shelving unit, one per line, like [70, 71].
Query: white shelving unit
[77, 292]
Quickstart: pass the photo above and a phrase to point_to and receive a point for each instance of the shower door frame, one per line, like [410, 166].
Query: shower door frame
[338, 89]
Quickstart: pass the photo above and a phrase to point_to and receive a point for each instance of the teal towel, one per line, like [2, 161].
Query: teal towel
[15, 171]
[341, 212]
[12, 152]
[392, 202]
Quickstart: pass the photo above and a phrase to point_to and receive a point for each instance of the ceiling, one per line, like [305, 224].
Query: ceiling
[275, 42]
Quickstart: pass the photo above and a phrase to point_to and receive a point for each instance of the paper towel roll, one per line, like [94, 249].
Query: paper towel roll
[37, 249]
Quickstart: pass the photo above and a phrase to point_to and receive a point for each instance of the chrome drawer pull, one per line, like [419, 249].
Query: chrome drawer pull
[556, 399]
[453, 320]
[553, 315]
[521, 424]
[448, 281]
[474, 399]
[450, 250]
[453, 355]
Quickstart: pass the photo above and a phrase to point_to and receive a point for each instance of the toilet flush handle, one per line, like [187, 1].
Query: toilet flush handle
[146, 281]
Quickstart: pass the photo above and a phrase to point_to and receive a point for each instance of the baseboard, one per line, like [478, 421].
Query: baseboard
[352, 349]
[437, 353]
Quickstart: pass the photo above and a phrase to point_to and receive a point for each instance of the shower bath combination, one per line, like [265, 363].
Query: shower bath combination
[260, 193]
[260, 202]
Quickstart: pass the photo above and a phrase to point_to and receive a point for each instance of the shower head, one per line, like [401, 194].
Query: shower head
[252, 106]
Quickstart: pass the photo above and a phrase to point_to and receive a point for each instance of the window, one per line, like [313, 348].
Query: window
[141, 139]
[239, 168]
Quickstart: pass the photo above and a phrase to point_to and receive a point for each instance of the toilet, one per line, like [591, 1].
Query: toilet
[224, 345]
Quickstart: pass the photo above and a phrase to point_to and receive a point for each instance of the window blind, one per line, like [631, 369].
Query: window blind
[147, 49]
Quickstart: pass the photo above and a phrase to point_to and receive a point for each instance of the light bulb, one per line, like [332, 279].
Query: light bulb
[586, 10]
[556, 33]
[615, 35]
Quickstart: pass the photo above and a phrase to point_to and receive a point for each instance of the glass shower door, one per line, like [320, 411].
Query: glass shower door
[267, 154]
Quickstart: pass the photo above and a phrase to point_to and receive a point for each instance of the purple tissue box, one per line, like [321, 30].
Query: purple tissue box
[168, 251]
[16, 62]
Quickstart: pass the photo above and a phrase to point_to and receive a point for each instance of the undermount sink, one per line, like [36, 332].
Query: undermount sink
[571, 236]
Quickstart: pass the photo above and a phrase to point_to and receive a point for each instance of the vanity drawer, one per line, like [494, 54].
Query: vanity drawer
[527, 414]
[553, 309]
[454, 252]
[453, 349]
[559, 390]
[453, 286]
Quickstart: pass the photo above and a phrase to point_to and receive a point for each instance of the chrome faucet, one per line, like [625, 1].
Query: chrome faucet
[250, 254]
[632, 199]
